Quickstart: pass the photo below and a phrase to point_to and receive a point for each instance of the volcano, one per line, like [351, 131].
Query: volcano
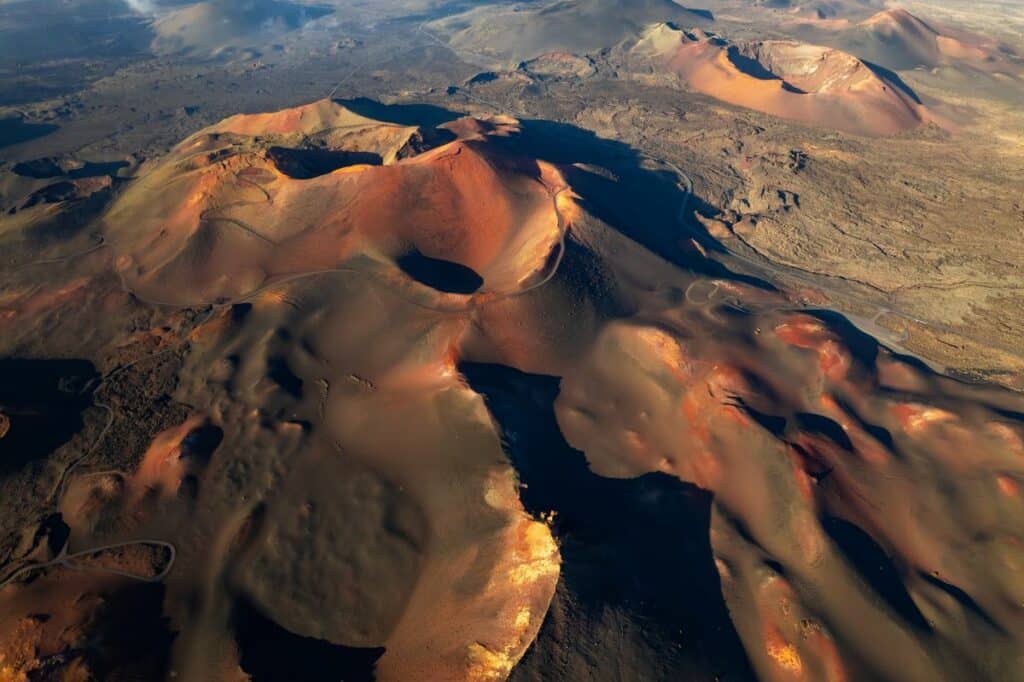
[386, 467]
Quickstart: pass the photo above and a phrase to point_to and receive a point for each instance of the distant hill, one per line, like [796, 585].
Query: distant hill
[217, 25]
[566, 26]
[897, 39]
[816, 85]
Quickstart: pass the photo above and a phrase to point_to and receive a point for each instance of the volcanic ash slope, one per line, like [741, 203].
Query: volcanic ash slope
[578, 26]
[818, 86]
[897, 39]
[864, 513]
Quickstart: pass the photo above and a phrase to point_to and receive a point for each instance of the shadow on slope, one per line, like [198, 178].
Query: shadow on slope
[41, 405]
[639, 596]
[642, 203]
[645, 204]
[893, 78]
[15, 131]
[270, 653]
[51, 167]
[426, 115]
[755, 69]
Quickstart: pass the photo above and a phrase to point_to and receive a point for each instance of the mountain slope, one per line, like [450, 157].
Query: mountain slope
[815, 85]
[575, 26]
[213, 26]
[897, 39]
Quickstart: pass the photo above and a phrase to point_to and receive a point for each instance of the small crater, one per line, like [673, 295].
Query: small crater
[303, 164]
[443, 275]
